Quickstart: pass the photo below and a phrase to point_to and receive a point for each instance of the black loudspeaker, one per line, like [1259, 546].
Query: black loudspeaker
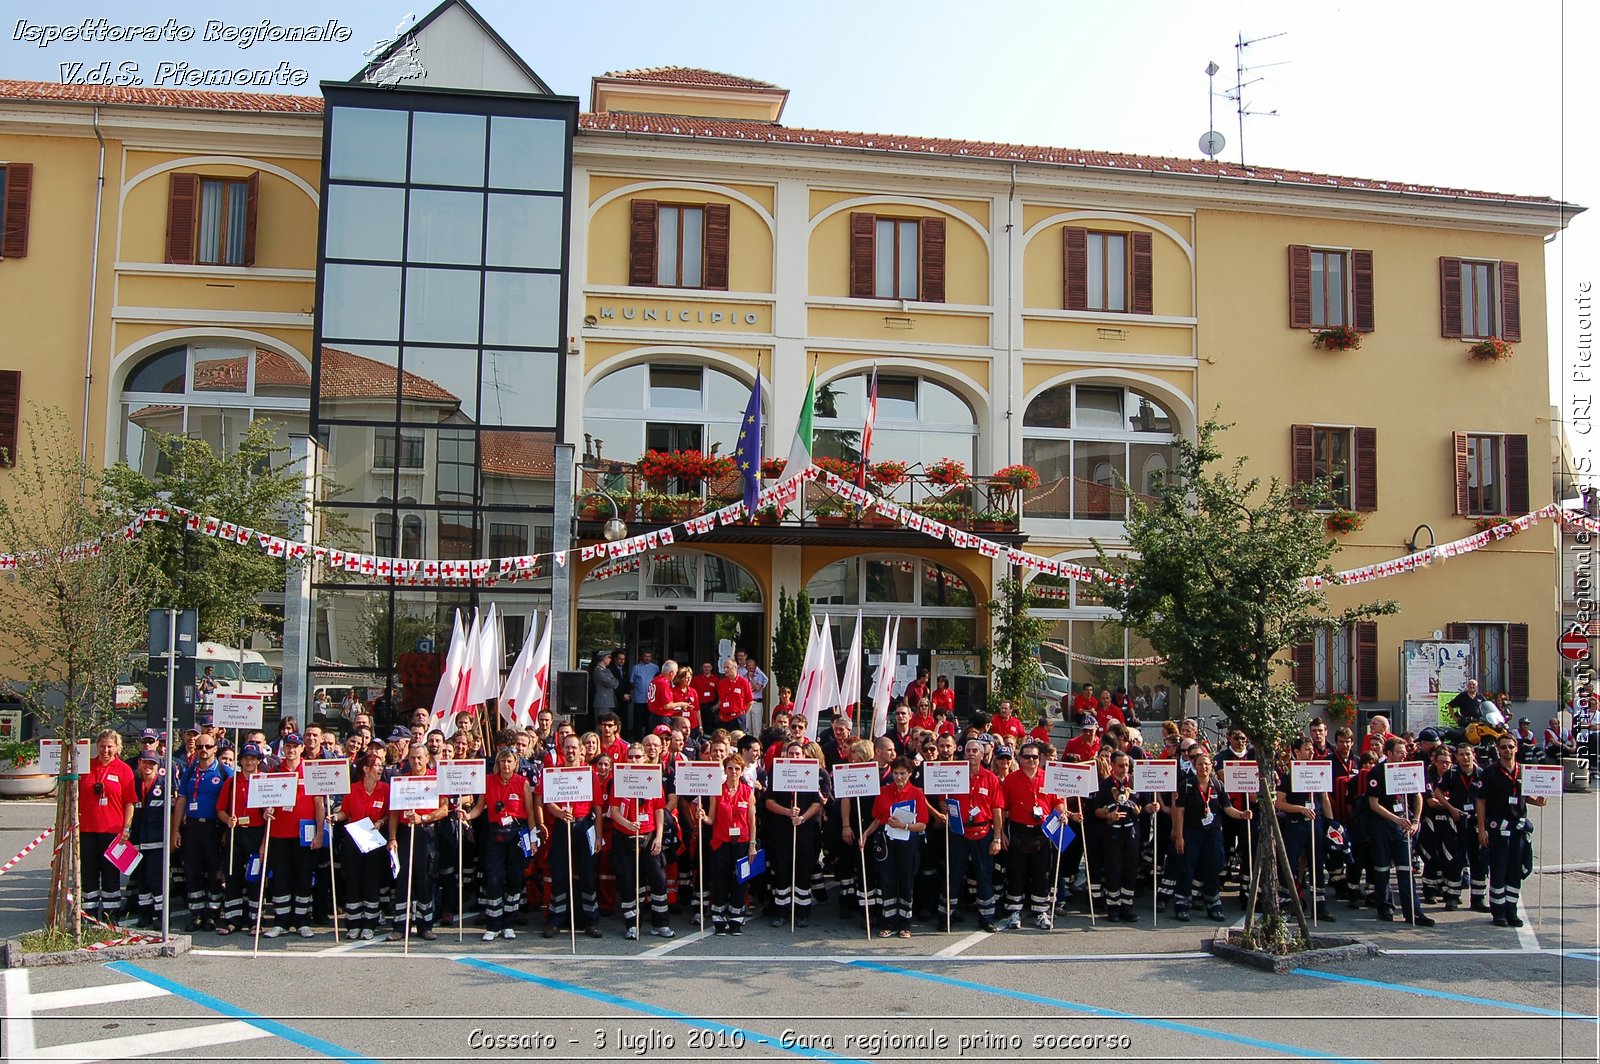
[972, 695]
[572, 699]
[156, 691]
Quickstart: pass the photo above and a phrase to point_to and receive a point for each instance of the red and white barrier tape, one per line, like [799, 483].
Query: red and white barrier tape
[26, 850]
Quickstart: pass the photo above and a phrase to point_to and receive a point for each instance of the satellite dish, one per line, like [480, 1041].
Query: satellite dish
[1212, 143]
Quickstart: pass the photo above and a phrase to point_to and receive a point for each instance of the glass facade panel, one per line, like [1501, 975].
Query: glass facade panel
[367, 144]
[442, 306]
[518, 468]
[522, 309]
[1053, 460]
[524, 231]
[361, 303]
[221, 427]
[221, 369]
[1050, 409]
[1099, 408]
[163, 372]
[1097, 469]
[672, 576]
[944, 587]
[445, 227]
[676, 387]
[728, 582]
[836, 584]
[447, 149]
[453, 370]
[519, 388]
[891, 581]
[528, 153]
[365, 222]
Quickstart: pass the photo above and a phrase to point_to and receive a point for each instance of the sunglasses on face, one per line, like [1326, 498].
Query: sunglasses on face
[1030, 757]
[206, 746]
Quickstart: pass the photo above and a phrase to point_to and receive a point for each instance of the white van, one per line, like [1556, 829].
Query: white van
[254, 678]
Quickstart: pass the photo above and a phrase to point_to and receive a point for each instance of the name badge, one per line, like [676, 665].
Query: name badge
[1038, 812]
[194, 806]
[1206, 820]
[377, 805]
[1511, 799]
[975, 811]
[505, 821]
[733, 832]
[104, 800]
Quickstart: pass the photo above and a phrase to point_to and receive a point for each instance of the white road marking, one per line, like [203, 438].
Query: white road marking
[93, 995]
[1525, 933]
[676, 944]
[195, 1036]
[19, 1016]
[957, 948]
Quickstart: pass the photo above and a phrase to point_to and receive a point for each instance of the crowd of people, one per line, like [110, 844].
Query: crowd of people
[890, 862]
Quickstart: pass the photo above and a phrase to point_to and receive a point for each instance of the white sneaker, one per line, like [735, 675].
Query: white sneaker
[508, 933]
[663, 932]
[632, 934]
[306, 932]
[490, 936]
[1013, 923]
[1043, 923]
[366, 934]
[272, 932]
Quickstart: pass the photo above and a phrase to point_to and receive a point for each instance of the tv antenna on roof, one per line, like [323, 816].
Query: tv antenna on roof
[1212, 142]
[1236, 94]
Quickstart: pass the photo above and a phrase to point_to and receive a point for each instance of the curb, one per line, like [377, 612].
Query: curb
[12, 955]
[1326, 949]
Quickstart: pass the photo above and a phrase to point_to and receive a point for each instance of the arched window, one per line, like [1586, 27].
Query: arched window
[1087, 643]
[937, 606]
[663, 406]
[919, 420]
[1086, 440]
[210, 391]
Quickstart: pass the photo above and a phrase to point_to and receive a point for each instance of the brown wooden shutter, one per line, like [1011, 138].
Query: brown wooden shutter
[1366, 670]
[182, 193]
[642, 243]
[1075, 267]
[1463, 496]
[1517, 662]
[1142, 258]
[19, 194]
[1365, 496]
[1516, 448]
[1302, 455]
[1299, 286]
[863, 257]
[10, 415]
[1457, 632]
[1361, 291]
[1449, 296]
[252, 197]
[932, 260]
[717, 233]
[1305, 670]
[1510, 302]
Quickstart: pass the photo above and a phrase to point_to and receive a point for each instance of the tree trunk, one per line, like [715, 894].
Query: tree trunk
[63, 905]
[1294, 895]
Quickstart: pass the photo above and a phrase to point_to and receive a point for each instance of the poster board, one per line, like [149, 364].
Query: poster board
[466, 776]
[1542, 781]
[274, 790]
[856, 781]
[1074, 779]
[328, 778]
[1311, 777]
[946, 777]
[568, 785]
[50, 757]
[237, 711]
[1405, 777]
[414, 792]
[1155, 775]
[1241, 777]
[698, 779]
[1433, 671]
[639, 782]
[796, 775]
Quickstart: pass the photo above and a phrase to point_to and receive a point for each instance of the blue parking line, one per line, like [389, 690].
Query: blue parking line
[753, 1037]
[1110, 1014]
[1422, 991]
[272, 1027]
[1585, 956]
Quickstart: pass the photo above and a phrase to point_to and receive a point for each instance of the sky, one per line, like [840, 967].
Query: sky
[1477, 94]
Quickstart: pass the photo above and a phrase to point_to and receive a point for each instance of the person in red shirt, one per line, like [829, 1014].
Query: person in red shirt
[638, 826]
[569, 827]
[974, 849]
[1030, 859]
[417, 851]
[899, 868]
[106, 799]
[1084, 701]
[290, 864]
[733, 826]
[922, 715]
[917, 689]
[506, 808]
[1086, 746]
[1109, 714]
[733, 697]
[611, 740]
[943, 697]
[249, 829]
[365, 874]
[705, 692]
[1006, 726]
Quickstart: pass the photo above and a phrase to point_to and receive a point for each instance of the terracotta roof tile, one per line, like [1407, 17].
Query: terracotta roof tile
[346, 375]
[131, 96]
[677, 75]
[732, 130]
[524, 455]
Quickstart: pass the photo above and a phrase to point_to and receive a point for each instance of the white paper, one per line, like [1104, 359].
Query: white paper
[1158, 776]
[414, 792]
[50, 757]
[569, 785]
[901, 811]
[329, 778]
[1078, 779]
[274, 790]
[365, 834]
[1311, 777]
[946, 777]
[1241, 777]
[856, 781]
[1404, 777]
[698, 779]
[1541, 781]
[796, 775]
[461, 777]
[642, 782]
[237, 711]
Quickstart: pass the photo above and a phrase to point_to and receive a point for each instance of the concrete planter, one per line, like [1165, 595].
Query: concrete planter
[12, 956]
[24, 781]
[1325, 949]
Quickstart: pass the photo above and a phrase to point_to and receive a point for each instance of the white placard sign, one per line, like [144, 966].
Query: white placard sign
[1311, 777]
[274, 790]
[50, 757]
[946, 777]
[856, 781]
[796, 775]
[1072, 779]
[698, 779]
[414, 792]
[1541, 781]
[1241, 777]
[331, 777]
[237, 711]
[461, 777]
[573, 784]
[637, 781]
[1159, 776]
[1404, 777]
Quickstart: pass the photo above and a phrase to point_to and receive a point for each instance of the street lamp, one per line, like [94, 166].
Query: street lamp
[615, 528]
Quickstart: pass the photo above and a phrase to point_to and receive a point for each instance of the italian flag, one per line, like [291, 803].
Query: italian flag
[800, 451]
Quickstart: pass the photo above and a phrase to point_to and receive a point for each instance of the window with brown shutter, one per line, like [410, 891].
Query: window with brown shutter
[1366, 671]
[1516, 471]
[1075, 266]
[717, 238]
[211, 221]
[1517, 662]
[897, 258]
[862, 260]
[1329, 288]
[1304, 656]
[1141, 267]
[1107, 271]
[1499, 656]
[1491, 473]
[678, 245]
[1361, 292]
[1479, 299]
[1346, 458]
[1460, 449]
[1299, 286]
[642, 243]
[1365, 489]
[16, 196]
[932, 260]
[1510, 301]
[1302, 454]
[10, 415]
[1449, 296]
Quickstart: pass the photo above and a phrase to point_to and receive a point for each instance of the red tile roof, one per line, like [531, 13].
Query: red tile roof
[346, 375]
[677, 75]
[131, 96]
[764, 132]
[524, 455]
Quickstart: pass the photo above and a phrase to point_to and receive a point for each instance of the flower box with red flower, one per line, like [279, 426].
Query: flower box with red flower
[830, 513]
[887, 474]
[1341, 709]
[840, 468]
[1017, 477]
[1340, 522]
[948, 472]
[772, 468]
[1489, 524]
[1336, 338]
[1492, 349]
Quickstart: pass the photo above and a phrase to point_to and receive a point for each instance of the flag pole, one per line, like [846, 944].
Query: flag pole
[638, 907]
[461, 876]
[1055, 879]
[794, 856]
[333, 880]
[411, 876]
[261, 892]
[572, 897]
[700, 859]
[949, 900]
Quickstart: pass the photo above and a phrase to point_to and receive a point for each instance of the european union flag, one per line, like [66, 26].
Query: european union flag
[747, 454]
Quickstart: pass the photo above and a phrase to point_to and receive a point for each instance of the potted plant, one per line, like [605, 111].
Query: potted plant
[1492, 349]
[772, 468]
[770, 514]
[1341, 709]
[994, 520]
[887, 474]
[951, 513]
[1489, 524]
[19, 771]
[596, 508]
[714, 466]
[948, 472]
[1336, 338]
[1340, 522]
[839, 467]
[830, 513]
[1017, 477]
[658, 467]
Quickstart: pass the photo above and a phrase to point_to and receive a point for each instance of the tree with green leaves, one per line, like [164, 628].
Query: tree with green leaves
[74, 609]
[1015, 645]
[250, 485]
[790, 637]
[1221, 583]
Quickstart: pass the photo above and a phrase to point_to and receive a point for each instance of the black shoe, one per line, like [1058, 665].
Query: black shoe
[1129, 916]
[1216, 914]
[594, 932]
[1499, 921]
[1424, 921]
[988, 927]
[1514, 920]
[958, 917]
[549, 931]
[1452, 904]
[1181, 915]
[779, 921]
[736, 929]
[770, 909]
[804, 919]
[1481, 906]
[1326, 916]
[1386, 915]
[721, 929]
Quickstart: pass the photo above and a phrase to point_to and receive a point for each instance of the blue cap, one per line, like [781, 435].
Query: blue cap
[251, 750]
[150, 756]
[293, 739]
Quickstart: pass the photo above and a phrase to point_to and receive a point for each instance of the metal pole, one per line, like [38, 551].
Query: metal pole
[1088, 878]
[1055, 877]
[1315, 886]
[261, 891]
[411, 877]
[949, 900]
[333, 878]
[166, 819]
[866, 899]
[572, 896]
